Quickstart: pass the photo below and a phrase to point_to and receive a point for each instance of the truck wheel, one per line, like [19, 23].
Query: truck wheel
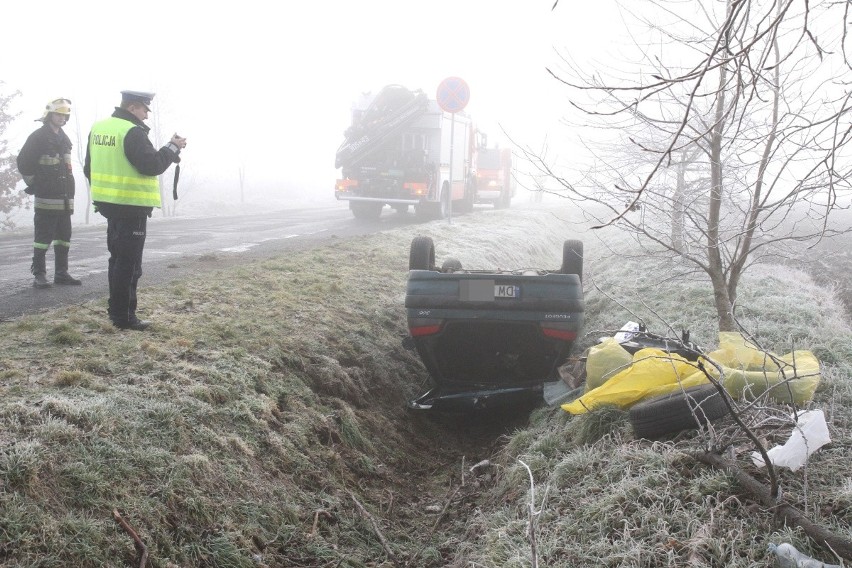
[503, 201]
[401, 208]
[466, 204]
[572, 258]
[366, 211]
[421, 256]
[423, 211]
[673, 412]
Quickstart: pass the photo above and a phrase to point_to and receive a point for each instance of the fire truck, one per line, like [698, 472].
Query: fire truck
[493, 179]
[397, 152]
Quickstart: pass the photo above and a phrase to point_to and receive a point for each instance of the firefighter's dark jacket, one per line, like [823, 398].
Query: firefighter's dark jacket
[143, 156]
[45, 164]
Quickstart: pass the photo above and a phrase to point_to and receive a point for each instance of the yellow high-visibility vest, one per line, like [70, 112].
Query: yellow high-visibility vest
[113, 177]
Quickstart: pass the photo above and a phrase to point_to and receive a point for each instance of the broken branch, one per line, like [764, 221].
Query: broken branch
[137, 542]
[366, 514]
[832, 542]
[317, 514]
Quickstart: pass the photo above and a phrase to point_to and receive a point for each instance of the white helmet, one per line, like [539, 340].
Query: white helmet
[59, 106]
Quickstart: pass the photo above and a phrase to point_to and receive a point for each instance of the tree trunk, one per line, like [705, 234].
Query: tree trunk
[678, 204]
[724, 306]
[744, 249]
[715, 268]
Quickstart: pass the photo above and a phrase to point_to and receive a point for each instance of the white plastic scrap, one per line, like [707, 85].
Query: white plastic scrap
[627, 332]
[809, 435]
[786, 556]
[481, 465]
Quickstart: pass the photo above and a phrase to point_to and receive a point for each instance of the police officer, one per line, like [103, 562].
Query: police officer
[45, 164]
[122, 168]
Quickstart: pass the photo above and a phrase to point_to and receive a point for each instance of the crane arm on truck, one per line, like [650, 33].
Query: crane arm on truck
[391, 111]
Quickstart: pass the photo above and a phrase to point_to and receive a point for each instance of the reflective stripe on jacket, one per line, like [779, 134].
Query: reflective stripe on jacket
[45, 165]
[113, 177]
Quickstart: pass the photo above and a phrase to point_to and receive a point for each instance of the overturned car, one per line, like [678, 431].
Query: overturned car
[491, 337]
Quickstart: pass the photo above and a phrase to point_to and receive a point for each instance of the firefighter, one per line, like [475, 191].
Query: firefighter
[45, 164]
[122, 168]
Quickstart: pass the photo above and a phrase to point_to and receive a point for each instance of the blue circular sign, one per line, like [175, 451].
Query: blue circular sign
[453, 94]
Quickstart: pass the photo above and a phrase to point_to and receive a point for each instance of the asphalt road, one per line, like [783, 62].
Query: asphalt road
[175, 247]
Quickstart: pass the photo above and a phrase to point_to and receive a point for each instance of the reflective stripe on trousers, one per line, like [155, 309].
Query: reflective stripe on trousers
[51, 228]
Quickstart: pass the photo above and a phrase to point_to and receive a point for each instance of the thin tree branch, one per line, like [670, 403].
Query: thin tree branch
[364, 513]
[137, 542]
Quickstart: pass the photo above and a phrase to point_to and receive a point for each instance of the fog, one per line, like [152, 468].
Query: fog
[267, 88]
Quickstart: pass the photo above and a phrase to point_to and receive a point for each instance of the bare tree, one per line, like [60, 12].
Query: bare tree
[740, 117]
[10, 199]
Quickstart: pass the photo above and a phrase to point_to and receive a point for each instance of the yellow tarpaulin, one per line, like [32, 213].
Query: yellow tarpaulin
[604, 360]
[747, 373]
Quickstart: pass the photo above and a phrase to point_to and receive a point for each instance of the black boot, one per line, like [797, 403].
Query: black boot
[61, 276]
[38, 269]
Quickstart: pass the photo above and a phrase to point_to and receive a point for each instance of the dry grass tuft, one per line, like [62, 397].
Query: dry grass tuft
[598, 424]
[72, 378]
[65, 334]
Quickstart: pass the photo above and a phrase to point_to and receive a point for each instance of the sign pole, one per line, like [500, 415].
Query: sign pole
[452, 141]
[453, 95]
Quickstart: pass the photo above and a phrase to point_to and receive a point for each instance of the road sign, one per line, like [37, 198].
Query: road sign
[453, 94]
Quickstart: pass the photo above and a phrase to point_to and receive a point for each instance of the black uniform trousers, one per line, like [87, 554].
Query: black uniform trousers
[125, 242]
[51, 226]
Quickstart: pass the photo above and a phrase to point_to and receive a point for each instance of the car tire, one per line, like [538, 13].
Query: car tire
[572, 258]
[673, 412]
[451, 265]
[421, 255]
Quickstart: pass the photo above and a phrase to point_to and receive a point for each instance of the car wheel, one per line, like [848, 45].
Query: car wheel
[421, 256]
[451, 265]
[572, 258]
[676, 411]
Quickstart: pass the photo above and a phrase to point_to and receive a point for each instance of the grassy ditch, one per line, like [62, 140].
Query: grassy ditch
[264, 409]
[242, 428]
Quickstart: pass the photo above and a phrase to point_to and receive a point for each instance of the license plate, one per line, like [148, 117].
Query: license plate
[503, 291]
[486, 290]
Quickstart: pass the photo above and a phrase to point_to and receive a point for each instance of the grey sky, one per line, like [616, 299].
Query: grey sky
[269, 85]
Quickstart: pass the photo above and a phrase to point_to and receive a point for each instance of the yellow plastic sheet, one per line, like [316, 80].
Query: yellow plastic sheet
[652, 369]
[747, 373]
[750, 372]
[604, 360]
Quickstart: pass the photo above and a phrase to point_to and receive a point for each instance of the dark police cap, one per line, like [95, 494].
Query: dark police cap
[137, 97]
